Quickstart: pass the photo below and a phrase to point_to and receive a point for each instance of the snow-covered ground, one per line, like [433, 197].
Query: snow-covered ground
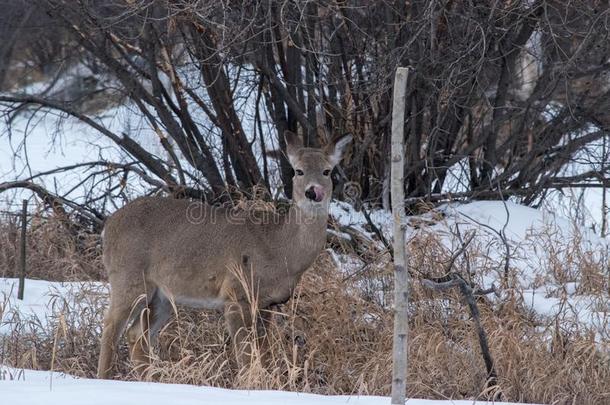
[28, 387]
[556, 268]
[44, 301]
[549, 259]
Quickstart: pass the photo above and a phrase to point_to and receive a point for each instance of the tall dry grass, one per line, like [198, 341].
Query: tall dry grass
[54, 251]
[334, 336]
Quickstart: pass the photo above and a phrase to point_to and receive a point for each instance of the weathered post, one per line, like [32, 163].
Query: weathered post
[24, 218]
[401, 274]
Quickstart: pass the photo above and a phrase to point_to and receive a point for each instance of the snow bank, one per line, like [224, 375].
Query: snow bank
[30, 387]
[518, 222]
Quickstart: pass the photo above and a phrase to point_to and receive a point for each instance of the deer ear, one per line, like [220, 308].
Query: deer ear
[293, 144]
[336, 149]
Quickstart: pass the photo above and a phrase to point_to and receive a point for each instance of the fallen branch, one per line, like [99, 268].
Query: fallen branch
[56, 202]
[378, 232]
[469, 295]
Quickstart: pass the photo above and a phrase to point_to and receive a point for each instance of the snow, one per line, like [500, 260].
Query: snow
[582, 204]
[347, 216]
[548, 256]
[39, 143]
[516, 220]
[37, 140]
[30, 387]
[43, 301]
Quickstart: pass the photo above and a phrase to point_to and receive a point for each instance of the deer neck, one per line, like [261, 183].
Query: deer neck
[311, 221]
[306, 231]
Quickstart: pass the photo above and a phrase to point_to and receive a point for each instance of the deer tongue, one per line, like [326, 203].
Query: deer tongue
[319, 193]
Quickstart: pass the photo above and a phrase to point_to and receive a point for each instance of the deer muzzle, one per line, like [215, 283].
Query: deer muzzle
[315, 193]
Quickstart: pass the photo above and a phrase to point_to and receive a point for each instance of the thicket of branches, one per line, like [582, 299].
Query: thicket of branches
[503, 96]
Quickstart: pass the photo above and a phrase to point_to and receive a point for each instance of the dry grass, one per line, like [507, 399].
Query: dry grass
[334, 336]
[55, 252]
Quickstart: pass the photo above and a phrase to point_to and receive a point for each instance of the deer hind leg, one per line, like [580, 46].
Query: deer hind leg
[142, 335]
[116, 318]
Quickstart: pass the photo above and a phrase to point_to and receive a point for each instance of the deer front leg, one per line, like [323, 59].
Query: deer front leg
[263, 327]
[239, 319]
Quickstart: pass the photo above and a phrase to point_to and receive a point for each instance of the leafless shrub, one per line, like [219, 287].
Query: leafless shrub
[503, 96]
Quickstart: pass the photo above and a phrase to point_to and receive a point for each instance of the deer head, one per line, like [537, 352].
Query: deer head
[312, 185]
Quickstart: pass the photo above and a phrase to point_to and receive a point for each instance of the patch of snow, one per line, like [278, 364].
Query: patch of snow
[346, 215]
[44, 300]
[30, 387]
[548, 257]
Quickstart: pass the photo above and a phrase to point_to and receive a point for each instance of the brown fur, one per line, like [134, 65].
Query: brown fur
[159, 250]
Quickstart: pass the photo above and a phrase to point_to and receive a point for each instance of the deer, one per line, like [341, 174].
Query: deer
[157, 253]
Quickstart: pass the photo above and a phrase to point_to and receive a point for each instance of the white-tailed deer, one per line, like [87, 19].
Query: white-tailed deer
[159, 250]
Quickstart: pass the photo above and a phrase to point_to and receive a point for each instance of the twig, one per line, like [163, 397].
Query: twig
[378, 232]
[459, 252]
[469, 295]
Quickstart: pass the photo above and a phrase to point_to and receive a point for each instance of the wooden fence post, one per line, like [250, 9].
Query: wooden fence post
[401, 274]
[24, 220]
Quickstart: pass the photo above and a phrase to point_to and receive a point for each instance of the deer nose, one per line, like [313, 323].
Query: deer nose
[315, 193]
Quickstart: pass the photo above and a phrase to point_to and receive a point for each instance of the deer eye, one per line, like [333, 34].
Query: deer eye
[326, 172]
[299, 172]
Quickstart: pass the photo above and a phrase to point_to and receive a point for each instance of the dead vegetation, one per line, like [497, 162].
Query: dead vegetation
[56, 250]
[335, 335]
